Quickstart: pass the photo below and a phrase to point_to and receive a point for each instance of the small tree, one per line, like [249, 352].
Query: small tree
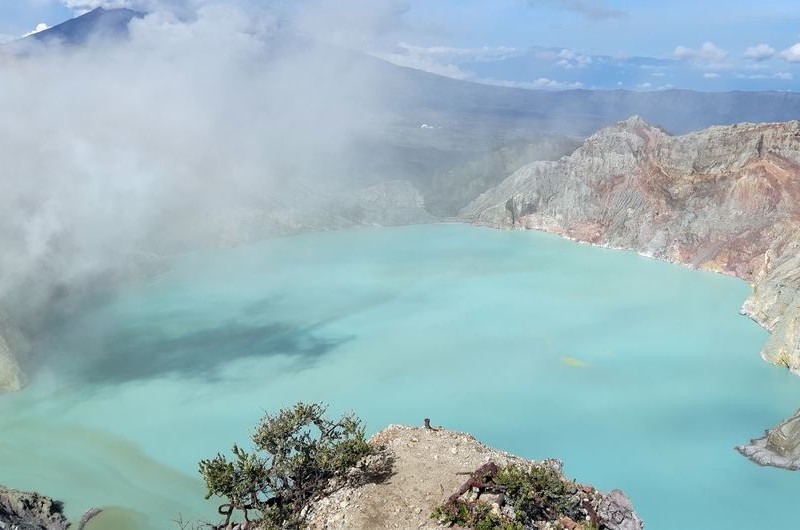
[298, 455]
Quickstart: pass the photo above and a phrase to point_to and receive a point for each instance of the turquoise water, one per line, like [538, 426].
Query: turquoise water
[640, 375]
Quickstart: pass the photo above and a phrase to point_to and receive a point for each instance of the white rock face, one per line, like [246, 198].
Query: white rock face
[13, 347]
[10, 373]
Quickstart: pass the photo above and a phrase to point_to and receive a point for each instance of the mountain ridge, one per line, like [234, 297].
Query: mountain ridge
[465, 105]
[100, 23]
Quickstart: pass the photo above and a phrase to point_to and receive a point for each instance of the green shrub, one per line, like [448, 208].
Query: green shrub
[539, 493]
[477, 515]
[297, 454]
[531, 496]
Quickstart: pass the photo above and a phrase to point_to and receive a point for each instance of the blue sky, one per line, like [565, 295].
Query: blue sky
[638, 45]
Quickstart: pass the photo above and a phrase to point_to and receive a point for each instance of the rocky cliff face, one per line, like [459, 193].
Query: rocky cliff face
[12, 346]
[30, 511]
[10, 374]
[726, 199]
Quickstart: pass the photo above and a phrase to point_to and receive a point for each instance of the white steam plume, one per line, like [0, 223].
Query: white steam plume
[109, 149]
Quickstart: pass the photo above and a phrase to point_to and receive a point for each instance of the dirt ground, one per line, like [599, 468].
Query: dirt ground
[429, 466]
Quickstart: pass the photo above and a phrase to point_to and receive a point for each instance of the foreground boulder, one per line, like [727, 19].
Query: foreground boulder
[430, 466]
[30, 511]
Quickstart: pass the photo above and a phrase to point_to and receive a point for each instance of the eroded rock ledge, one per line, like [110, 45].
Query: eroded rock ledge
[12, 345]
[428, 466]
[30, 511]
[780, 447]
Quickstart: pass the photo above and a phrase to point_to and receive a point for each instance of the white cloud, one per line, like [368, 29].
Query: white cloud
[591, 9]
[444, 60]
[82, 6]
[759, 52]
[791, 54]
[151, 150]
[142, 5]
[541, 83]
[485, 54]
[38, 29]
[707, 53]
[710, 75]
[426, 64]
[544, 82]
[782, 76]
[645, 85]
[570, 59]
[711, 53]
[683, 53]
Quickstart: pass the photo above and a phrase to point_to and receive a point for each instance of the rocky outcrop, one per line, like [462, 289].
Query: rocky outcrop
[10, 372]
[12, 346]
[428, 465]
[726, 199]
[780, 447]
[30, 511]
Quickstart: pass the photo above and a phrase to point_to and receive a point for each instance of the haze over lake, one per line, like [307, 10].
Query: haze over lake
[640, 375]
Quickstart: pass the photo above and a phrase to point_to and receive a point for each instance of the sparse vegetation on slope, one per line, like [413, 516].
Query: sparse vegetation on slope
[517, 498]
[300, 456]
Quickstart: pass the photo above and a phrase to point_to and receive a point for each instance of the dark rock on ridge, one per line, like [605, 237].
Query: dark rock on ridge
[30, 511]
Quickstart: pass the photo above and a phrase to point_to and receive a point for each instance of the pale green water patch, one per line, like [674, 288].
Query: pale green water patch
[638, 374]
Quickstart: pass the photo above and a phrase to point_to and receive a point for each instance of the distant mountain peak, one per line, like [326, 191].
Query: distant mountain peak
[634, 121]
[100, 23]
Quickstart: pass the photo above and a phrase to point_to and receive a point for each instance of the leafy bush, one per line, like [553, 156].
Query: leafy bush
[476, 515]
[298, 455]
[539, 493]
[530, 496]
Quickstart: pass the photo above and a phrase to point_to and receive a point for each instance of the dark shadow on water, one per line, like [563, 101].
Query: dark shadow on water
[148, 352]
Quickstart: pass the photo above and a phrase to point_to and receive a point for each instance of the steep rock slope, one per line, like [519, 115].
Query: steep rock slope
[12, 346]
[10, 374]
[725, 199]
[30, 511]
